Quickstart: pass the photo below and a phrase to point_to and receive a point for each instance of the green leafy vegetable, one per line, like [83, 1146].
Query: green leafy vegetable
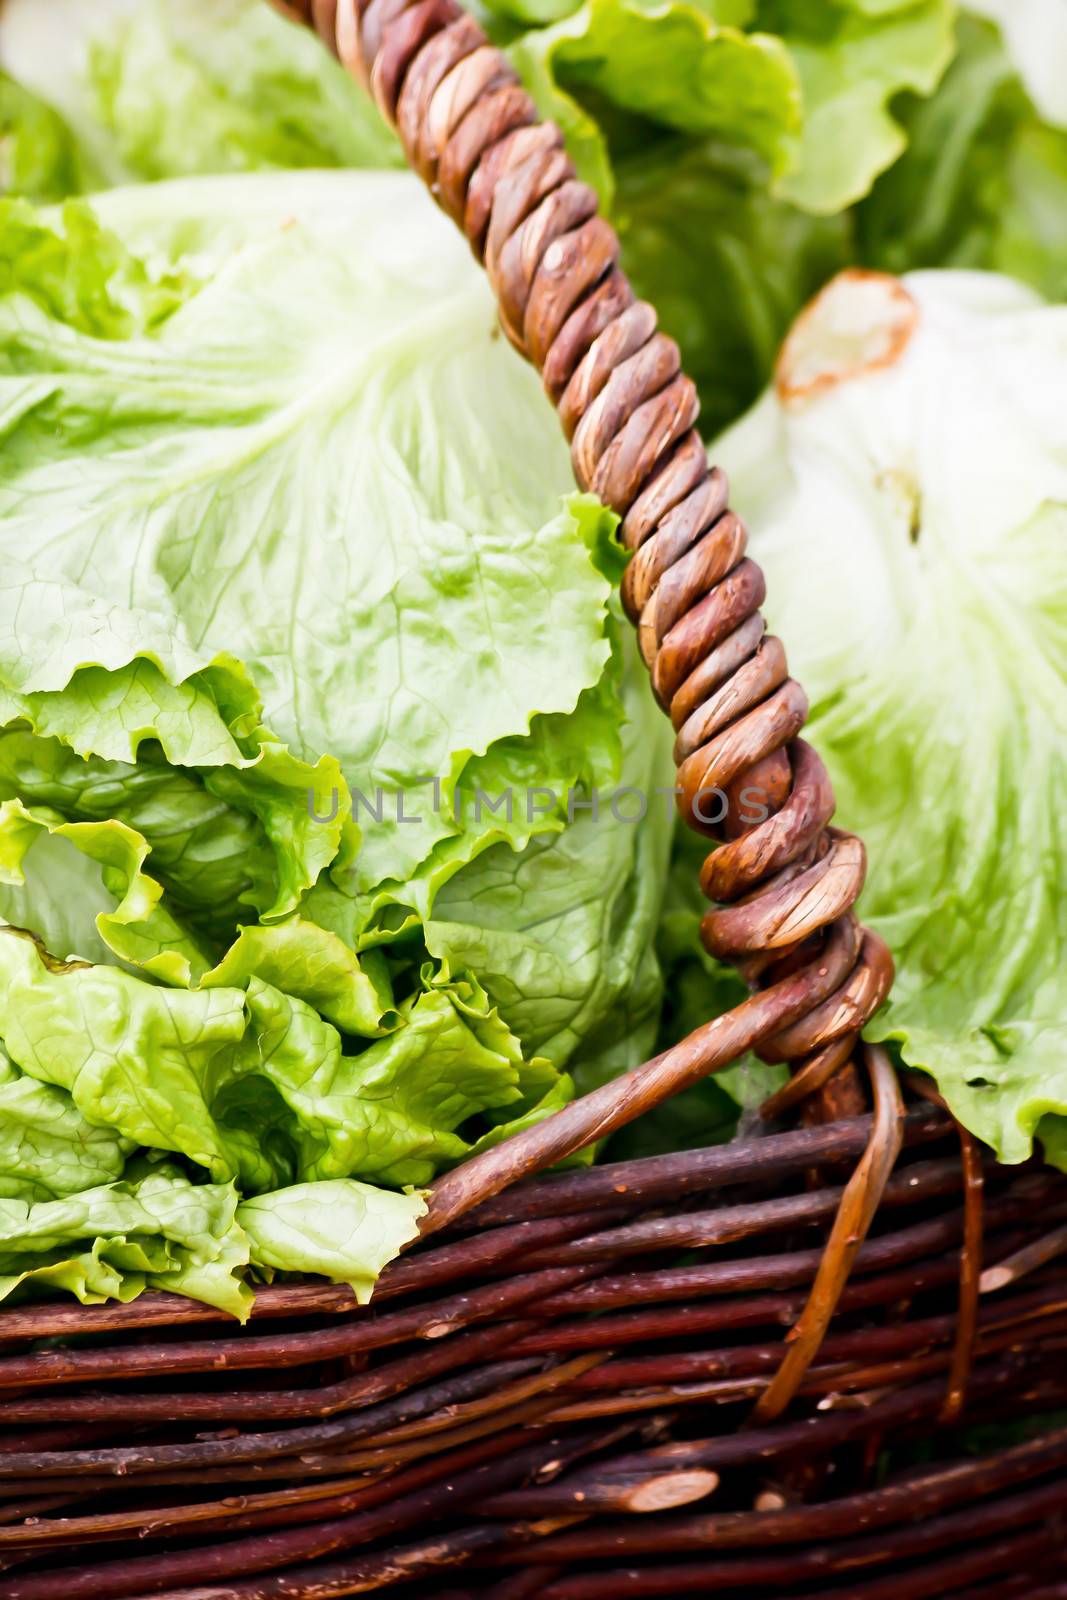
[852, 57]
[984, 180]
[79, 274]
[160, 1231]
[40, 159]
[908, 491]
[265, 700]
[561, 934]
[225, 86]
[334, 829]
[699, 135]
[139, 929]
[726, 137]
[152, 89]
[672, 65]
[342, 1230]
[434, 557]
[47, 1148]
[253, 1083]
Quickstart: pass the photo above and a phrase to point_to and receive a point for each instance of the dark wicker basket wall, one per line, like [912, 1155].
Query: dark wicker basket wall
[550, 1395]
[754, 1369]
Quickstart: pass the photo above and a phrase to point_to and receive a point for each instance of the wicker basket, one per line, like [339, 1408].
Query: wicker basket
[666, 1376]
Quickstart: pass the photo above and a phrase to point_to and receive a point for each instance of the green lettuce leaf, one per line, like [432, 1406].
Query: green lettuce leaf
[853, 56]
[806, 90]
[113, 1241]
[213, 860]
[135, 1057]
[158, 1230]
[40, 159]
[721, 153]
[77, 276]
[684, 123]
[561, 933]
[139, 929]
[106, 715]
[315, 965]
[48, 1149]
[253, 1083]
[343, 1230]
[391, 1112]
[225, 85]
[670, 63]
[439, 614]
[697, 123]
[984, 180]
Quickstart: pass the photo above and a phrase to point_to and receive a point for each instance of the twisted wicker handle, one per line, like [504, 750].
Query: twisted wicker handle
[785, 887]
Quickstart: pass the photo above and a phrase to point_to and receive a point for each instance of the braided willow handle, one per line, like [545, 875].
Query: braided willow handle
[784, 888]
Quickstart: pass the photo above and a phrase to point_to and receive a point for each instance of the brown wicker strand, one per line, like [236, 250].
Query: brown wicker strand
[854, 1217]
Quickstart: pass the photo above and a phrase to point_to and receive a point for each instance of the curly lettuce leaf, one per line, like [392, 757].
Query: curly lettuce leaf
[669, 63]
[48, 1149]
[523, 786]
[983, 182]
[342, 1230]
[253, 1083]
[213, 860]
[712, 131]
[853, 57]
[561, 933]
[114, 1241]
[315, 965]
[806, 88]
[731, 206]
[391, 1112]
[139, 928]
[135, 1057]
[106, 716]
[67, 269]
[156, 1229]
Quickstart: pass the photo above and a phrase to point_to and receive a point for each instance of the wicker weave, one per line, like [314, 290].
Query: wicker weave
[527, 1419]
[748, 1326]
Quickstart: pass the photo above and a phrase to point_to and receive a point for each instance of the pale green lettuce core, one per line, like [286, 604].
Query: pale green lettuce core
[911, 517]
[294, 620]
